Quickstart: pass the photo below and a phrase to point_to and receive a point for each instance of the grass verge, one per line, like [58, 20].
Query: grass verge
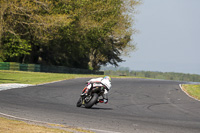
[192, 90]
[15, 126]
[7, 76]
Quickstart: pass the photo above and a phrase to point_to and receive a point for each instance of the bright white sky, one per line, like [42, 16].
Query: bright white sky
[169, 38]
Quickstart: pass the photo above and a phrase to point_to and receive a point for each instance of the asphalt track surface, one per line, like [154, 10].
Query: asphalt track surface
[135, 106]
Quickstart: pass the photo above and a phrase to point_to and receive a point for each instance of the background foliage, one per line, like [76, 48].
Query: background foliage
[80, 33]
[125, 71]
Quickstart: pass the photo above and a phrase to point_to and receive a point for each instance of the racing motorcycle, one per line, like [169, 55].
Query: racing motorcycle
[90, 98]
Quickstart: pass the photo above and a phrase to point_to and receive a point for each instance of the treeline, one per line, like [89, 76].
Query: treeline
[155, 75]
[73, 33]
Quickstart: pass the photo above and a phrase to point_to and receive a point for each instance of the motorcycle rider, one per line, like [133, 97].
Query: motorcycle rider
[105, 83]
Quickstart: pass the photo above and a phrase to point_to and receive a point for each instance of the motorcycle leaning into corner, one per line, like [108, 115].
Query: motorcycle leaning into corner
[93, 92]
[90, 98]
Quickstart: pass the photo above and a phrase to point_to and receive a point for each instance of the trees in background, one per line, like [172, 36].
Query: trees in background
[81, 34]
[124, 71]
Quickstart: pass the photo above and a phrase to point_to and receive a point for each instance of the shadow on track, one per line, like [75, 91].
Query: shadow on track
[98, 108]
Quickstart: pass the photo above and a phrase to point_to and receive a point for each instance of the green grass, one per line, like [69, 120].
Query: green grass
[7, 76]
[192, 90]
[15, 126]
[23, 77]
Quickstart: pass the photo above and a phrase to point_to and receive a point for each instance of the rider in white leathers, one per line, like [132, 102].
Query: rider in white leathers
[99, 82]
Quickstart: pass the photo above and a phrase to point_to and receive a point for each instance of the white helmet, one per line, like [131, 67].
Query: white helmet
[107, 83]
[108, 78]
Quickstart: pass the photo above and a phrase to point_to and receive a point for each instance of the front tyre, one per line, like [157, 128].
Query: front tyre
[79, 103]
[92, 101]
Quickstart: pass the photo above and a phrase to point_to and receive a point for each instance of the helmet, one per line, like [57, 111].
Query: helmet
[107, 78]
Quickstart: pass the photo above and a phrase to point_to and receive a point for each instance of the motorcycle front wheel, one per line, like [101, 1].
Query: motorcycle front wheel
[79, 103]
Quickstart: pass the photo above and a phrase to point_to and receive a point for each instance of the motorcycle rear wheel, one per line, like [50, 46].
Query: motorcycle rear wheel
[92, 101]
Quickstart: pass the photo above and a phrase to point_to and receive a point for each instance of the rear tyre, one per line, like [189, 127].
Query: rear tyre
[92, 101]
[79, 103]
